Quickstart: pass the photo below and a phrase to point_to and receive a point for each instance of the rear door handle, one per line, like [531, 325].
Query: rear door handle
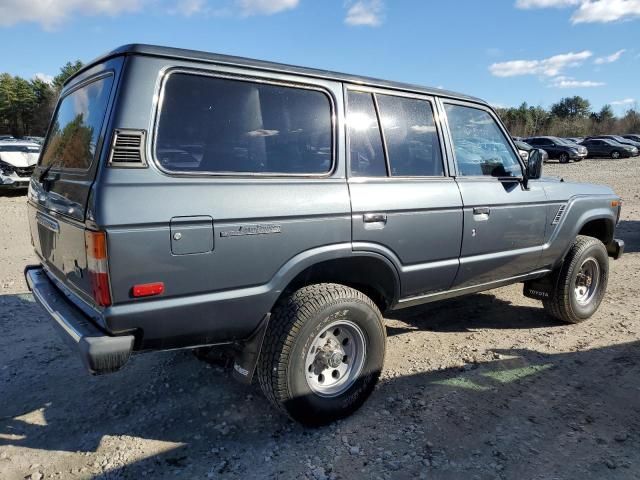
[481, 210]
[375, 218]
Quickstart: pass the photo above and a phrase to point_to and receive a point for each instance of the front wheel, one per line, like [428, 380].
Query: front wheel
[323, 353]
[615, 154]
[564, 158]
[581, 282]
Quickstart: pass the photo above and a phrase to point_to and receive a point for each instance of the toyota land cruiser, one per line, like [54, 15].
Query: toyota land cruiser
[186, 199]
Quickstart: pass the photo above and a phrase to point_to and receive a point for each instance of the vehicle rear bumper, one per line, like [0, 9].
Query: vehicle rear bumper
[100, 353]
[615, 248]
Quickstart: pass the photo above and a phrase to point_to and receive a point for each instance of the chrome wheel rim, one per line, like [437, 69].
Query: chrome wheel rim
[335, 359]
[615, 155]
[587, 281]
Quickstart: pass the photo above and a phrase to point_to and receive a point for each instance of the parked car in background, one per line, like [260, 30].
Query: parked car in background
[17, 162]
[38, 140]
[6, 137]
[632, 136]
[604, 147]
[525, 150]
[559, 148]
[619, 139]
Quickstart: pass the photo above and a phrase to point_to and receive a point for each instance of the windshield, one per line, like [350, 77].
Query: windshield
[562, 141]
[76, 126]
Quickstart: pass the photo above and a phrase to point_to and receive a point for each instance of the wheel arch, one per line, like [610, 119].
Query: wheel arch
[601, 228]
[371, 273]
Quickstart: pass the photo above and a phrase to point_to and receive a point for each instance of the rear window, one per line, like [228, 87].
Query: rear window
[76, 126]
[218, 125]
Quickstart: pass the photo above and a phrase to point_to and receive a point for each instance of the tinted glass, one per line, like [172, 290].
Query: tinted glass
[367, 154]
[480, 146]
[76, 126]
[412, 139]
[212, 124]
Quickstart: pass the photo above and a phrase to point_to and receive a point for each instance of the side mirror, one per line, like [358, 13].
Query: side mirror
[534, 165]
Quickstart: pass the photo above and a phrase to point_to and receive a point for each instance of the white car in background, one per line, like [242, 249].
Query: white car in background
[17, 162]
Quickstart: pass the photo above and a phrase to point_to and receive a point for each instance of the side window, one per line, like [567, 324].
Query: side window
[411, 136]
[365, 142]
[481, 149]
[217, 125]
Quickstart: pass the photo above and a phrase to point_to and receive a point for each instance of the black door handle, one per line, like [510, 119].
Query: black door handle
[374, 217]
[481, 211]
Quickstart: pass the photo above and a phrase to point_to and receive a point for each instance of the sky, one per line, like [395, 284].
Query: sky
[504, 51]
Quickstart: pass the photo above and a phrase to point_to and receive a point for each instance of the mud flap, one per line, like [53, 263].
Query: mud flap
[246, 358]
[542, 288]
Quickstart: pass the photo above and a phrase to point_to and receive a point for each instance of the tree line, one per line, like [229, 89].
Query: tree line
[26, 106]
[570, 117]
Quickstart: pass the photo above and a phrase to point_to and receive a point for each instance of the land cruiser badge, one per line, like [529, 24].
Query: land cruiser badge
[251, 230]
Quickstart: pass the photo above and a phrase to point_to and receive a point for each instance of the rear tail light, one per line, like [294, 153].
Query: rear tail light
[96, 243]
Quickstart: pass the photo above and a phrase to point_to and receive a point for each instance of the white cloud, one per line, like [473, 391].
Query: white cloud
[43, 77]
[266, 7]
[568, 82]
[604, 11]
[626, 101]
[526, 4]
[365, 12]
[614, 57]
[590, 11]
[550, 67]
[51, 13]
[188, 8]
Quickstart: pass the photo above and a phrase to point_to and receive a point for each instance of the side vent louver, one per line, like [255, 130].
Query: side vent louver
[128, 149]
[558, 216]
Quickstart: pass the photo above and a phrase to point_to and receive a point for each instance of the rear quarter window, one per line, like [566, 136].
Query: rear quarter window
[76, 126]
[219, 125]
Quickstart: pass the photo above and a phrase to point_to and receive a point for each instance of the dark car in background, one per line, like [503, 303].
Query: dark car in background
[559, 148]
[632, 136]
[525, 150]
[604, 147]
[619, 139]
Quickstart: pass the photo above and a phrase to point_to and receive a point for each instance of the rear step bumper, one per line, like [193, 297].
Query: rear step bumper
[100, 353]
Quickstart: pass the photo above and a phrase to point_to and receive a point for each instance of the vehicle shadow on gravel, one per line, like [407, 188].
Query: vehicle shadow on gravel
[629, 231]
[569, 415]
[482, 310]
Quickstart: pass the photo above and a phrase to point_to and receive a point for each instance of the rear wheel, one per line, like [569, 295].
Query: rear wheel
[581, 282]
[615, 154]
[323, 353]
[564, 158]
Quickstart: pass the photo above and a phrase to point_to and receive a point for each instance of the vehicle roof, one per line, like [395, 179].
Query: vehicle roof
[215, 58]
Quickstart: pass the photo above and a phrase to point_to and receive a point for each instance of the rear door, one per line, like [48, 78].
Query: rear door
[404, 204]
[504, 223]
[61, 184]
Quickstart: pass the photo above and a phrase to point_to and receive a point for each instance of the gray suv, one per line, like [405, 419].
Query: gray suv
[185, 199]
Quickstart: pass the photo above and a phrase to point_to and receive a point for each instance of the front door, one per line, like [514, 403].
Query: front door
[504, 222]
[404, 204]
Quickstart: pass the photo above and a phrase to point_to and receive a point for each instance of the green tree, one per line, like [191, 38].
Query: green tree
[571, 107]
[67, 70]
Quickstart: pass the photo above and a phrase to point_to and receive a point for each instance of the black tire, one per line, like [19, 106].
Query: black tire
[299, 320]
[615, 154]
[566, 303]
[564, 157]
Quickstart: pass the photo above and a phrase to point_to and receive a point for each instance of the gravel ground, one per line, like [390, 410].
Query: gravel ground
[481, 387]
